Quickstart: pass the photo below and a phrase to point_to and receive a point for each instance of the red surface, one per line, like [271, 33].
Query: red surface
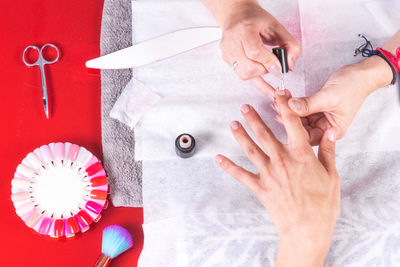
[74, 95]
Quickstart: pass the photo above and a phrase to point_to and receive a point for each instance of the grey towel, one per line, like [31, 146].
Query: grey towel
[124, 174]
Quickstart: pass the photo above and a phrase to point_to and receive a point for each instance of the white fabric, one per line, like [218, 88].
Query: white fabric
[202, 94]
[135, 100]
[195, 215]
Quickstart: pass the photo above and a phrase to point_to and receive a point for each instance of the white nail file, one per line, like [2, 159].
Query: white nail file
[157, 49]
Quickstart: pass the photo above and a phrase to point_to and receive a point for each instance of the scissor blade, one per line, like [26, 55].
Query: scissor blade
[157, 49]
[46, 107]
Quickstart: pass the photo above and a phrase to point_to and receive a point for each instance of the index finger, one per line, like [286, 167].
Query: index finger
[255, 50]
[294, 128]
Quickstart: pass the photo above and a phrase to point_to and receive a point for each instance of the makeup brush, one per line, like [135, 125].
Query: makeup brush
[116, 240]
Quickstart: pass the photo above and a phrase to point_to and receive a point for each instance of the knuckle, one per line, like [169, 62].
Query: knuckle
[262, 133]
[296, 47]
[223, 44]
[269, 60]
[306, 105]
[232, 169]
[335, 175]
[225, 58]
[242, 75]
[279, 162]
[247, 72]
[327, 149]
[246, 24]
[254, 53]
[252, 151]
[302, 154]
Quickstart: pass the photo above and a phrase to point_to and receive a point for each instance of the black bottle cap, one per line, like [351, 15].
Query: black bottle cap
[280, 53]
[185, 145]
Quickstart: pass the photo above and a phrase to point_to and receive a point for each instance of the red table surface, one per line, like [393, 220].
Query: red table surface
[74, 95]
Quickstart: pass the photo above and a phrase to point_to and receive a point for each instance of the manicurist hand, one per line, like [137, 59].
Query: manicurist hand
[342, 95]
[247, 27]
[338, 101]
[300, 191]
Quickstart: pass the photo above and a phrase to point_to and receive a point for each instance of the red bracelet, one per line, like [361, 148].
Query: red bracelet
[392, 60]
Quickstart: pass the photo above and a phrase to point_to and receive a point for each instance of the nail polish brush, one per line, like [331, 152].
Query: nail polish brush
[280, 53]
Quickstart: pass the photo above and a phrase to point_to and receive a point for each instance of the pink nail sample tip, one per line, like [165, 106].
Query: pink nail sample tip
[93, 207]
[35, 160]
[20, 196]
[26, 171]
[95, 168]
[24, 209]
[46, 153]
[45, 225]
[59, 150]
[73, 152]
[84, 226]
[92, 161]
[21, 183]
[32, 220]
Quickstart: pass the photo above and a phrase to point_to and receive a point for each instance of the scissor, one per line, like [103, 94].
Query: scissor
[41, 61]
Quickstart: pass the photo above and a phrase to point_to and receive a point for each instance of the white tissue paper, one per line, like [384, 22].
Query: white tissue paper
[385, 12]
[135, 100]
[196, 215]
[202, 94]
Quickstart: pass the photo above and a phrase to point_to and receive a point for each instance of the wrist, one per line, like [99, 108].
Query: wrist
[375, 73]
[299, 252]
[222, 9]
[236, 10]
[302, 250]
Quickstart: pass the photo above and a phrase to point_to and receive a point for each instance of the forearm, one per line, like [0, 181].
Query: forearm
[393, 43]
[300, 252]
[375, 71]
[220, 9]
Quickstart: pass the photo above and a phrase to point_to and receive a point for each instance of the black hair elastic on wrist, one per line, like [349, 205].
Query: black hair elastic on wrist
[366, 50]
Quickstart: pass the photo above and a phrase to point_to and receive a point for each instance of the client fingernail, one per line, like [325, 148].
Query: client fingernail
[281, 92]
[245, 108]
[234, 125]
[294, 104]
[218, 158]
[332, 135]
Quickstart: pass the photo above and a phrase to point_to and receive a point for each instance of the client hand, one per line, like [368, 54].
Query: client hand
[300, 191]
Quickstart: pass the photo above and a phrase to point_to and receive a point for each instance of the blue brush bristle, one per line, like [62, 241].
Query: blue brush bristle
[116, 240]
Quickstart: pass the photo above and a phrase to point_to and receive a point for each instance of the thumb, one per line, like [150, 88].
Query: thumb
[305, 106]
[326, 150]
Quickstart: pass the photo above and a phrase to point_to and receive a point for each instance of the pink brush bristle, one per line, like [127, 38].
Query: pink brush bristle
[116, 240]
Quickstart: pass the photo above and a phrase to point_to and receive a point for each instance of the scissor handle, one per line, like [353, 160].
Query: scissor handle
[23, 56]
[44, 60]
[41, 60]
